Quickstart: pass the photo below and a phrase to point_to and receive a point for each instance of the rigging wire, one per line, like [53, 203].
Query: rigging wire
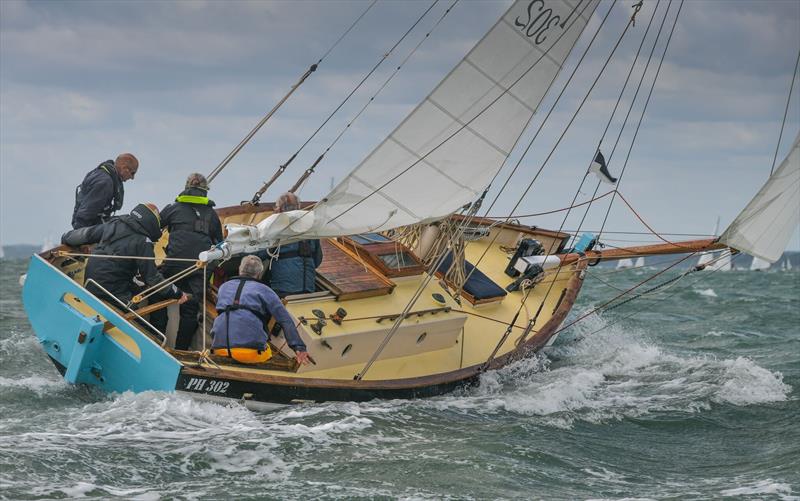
[311, 169]
[614, 112]
[532, 322]
[275, 108]
[641, 117]
[563, 132]
[702, 277]
[545, 54]
[552, 284]
[347, 31]
[630, 108]
[462, 127]
[594, 310]
[383, 58]
[785, 112]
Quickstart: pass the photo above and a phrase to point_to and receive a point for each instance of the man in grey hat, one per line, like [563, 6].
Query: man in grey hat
[193, 227]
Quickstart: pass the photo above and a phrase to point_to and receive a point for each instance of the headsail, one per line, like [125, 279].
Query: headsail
[764, 227]
[444, 154]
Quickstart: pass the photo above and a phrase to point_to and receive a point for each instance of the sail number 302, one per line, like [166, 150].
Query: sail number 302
[207, 385]
[537, 20]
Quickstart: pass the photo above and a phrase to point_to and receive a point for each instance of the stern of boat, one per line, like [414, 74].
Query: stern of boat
[90, 342]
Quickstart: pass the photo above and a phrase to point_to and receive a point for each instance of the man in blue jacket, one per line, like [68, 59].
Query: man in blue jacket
[294, 270]
[101, 193]
[245, 306]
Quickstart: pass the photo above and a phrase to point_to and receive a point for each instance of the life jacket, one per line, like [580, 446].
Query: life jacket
[280, 274]
[264, 318]
[119, 191]
[200, 225]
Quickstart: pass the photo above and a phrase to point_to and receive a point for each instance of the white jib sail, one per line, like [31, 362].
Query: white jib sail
[764, 227]
[443, 155]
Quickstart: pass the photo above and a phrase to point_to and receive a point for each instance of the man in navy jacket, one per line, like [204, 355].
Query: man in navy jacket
[101, 193]
[294, 270]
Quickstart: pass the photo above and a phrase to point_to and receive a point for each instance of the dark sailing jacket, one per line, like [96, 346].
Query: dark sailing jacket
[295, 269]
[126, 236]
[242, 324]
[193, 226]
[99, 195]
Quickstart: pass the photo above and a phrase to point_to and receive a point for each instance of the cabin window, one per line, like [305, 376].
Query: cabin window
[398, 260]
[392, 259]
[369, 238]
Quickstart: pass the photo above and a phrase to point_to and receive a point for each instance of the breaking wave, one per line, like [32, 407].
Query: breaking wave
[614, 374]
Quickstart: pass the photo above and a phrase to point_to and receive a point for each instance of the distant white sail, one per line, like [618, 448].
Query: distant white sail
[624, 264]
[705, 258]
[724, 263]
[443, 155]
[759, 264]
[764, 227]
[640, 262]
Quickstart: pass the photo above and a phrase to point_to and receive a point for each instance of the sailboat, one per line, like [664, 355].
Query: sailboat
[639, 262]
[625, 263]
[759, 264]
[787, 264]
[417, 293]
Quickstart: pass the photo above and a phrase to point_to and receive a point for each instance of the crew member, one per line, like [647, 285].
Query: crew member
[130, 236]
[193, 227]
[101, 193]
[245, 306]
[294, 270]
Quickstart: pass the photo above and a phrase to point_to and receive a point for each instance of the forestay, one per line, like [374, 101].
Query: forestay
[444, 154]
[764, 227]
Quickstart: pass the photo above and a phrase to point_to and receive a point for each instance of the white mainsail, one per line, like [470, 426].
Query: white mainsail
[444, 154]
[639, 262]
[764, 227]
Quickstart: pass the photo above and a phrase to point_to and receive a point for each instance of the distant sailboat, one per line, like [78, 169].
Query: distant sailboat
[624, 264]
[787, 264]
[712, 260]
[705, 258]
[640, 262]
[759, 264]
[723, 264]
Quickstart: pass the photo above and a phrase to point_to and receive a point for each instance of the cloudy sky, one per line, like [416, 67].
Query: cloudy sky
[180, 83]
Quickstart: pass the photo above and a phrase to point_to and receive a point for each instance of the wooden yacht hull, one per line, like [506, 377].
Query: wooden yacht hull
[93, 343]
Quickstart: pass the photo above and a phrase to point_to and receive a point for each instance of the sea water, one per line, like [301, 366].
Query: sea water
[690, 393]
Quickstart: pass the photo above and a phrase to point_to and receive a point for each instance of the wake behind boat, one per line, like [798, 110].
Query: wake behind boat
[417, 293]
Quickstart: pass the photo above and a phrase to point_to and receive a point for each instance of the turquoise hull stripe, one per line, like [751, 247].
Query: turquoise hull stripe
[78, 343]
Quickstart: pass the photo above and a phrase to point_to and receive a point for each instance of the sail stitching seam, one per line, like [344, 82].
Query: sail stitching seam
[387, 197]
[498, 84]
[429, 164]
[466, 126]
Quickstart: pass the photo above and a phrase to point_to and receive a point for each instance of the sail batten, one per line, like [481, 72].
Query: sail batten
[764, 227]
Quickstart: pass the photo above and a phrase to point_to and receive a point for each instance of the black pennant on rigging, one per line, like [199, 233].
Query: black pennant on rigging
[599, 167]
